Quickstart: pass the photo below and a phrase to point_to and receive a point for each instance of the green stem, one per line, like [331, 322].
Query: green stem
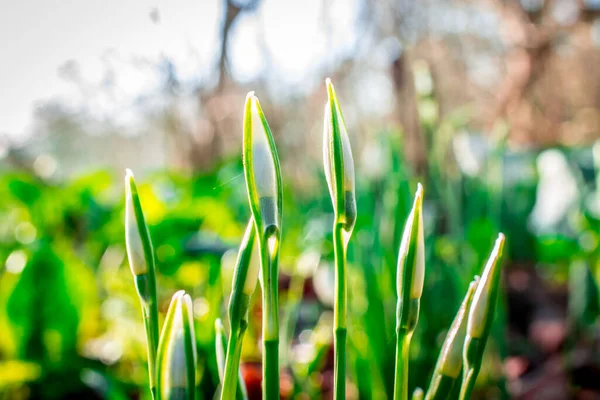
[150, 314]
[271, 372]
[470, 376]
[232, 389]
[401, 377]
[269, 263]
[339, 344]
[340, 310]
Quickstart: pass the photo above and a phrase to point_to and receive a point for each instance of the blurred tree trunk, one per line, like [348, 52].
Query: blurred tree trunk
[408, 115]
[216, 125]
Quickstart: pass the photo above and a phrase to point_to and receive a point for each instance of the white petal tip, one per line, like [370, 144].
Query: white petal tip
[178, 295]
[500, 239]
[419, 193]
[498, 246]
[128, 176]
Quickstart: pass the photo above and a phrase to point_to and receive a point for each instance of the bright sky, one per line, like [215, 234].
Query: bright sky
[38, 37]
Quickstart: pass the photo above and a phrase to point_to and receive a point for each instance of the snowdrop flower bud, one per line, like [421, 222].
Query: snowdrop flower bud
[177, 350]
[261, 166]
[134, 224]
[411, 260]
[484, 299]
[411, 267]
[451, 357]
[417, 394]
[338, 160]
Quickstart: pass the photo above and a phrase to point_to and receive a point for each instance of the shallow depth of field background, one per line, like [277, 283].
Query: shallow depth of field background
[493, 105]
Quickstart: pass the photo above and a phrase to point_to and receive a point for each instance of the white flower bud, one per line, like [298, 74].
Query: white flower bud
[348, 178]
[481, 306]
[263, 164]
[418, 269]
[175, 372]
[260, 165]
[451, 354]
[133, 240]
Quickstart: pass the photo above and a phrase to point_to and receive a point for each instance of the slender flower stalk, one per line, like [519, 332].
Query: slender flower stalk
[141, 262]
[220, 350]
[339, 172]
[410, 276]
[481, 316]
[243, 286]
[449, 363]
[176, 357]
[263, 182]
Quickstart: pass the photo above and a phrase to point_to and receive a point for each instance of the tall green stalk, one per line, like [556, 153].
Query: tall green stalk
[339, 172]
[481, 316]
[263, 182]
[409, 285]
[141, 262]
[243, 286]
[403, 337]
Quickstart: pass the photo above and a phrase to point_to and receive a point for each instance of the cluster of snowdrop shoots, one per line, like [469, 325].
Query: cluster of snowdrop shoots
[171, 350]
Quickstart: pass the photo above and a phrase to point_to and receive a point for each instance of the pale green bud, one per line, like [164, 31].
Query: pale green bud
[177, 350]
[451, 355]
[332, 133]
[261, 165]
[413, 237]
[484, 299]
[418, 394]
[133, 239]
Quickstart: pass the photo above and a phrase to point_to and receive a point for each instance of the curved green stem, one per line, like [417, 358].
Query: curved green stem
[340, 310]
[401, 376]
